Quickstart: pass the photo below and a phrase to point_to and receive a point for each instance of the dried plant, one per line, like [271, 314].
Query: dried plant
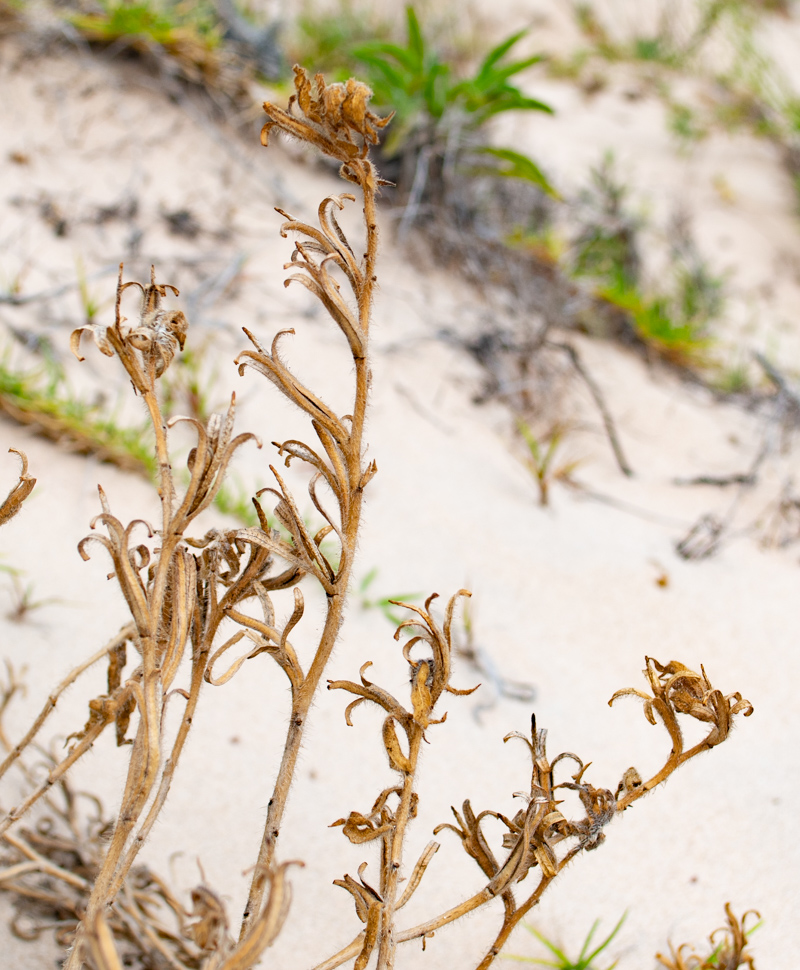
[779, 524]
[729, 954]
[179, 588]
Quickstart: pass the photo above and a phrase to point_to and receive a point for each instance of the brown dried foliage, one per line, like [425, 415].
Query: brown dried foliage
[179, 591]
[730, 954]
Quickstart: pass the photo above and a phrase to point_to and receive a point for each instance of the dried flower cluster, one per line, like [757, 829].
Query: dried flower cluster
[179, 588]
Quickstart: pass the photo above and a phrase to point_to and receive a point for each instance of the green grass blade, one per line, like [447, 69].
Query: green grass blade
[501, 75]
[521, 167]
[550, 946]
[371, 53]
[587, 943]
[497, 53]
[605, 942]
[416, 42]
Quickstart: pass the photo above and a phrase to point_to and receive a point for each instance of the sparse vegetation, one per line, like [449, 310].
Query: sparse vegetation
[188, 32]
[542, 460]
[42, 399]
[673, 323]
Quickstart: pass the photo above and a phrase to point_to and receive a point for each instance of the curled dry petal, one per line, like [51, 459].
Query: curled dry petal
[18, 494]
[536, 831]
[271, 366]
[366, 690]
[438, 666]
[364, 828]
[363, 894]
[468, 829]
[208, 460]
[397, 757]
[418, 872]
[210, 931]
[728, 953]
[125, 567]
[678, 690]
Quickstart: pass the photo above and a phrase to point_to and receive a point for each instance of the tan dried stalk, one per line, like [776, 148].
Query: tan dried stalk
[175, 603]
[539, 839]
[336, 119]
[179, 592]
[430, 678]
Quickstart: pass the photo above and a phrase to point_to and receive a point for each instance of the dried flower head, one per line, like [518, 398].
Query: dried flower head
[157, 337]
[333, 115]
[678, 690]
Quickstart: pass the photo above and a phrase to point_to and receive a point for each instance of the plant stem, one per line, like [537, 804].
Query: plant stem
[124, 634]
[277, 804]
[303, 697]
[388, 942]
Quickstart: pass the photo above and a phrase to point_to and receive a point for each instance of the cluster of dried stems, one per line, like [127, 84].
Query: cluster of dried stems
[180, 590]
[728, 954]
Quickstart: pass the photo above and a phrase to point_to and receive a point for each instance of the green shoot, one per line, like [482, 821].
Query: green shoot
[383, 603]
[585, 958]
[541, 461]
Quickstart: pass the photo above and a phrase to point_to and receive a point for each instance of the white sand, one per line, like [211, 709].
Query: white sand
[565, 598]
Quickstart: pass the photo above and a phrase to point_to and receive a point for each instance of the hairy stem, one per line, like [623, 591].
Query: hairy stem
[277, 804]
[304, 696]
[391, 874]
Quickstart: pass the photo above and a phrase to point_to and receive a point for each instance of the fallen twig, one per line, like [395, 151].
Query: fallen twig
[719, 481]
[599, 400]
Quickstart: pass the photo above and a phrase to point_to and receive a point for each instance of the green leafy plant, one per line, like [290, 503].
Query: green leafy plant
[671, 45]
[673, 322]
[42, 399]
[659, 324]
[515, 165]
[421, 86]
[166, 23]
[607, 244]
[547, 244]
[327, 37]
[433, 104]
[584, 960]
[684, 124]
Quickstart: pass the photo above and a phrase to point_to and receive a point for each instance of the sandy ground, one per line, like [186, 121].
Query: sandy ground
[566, 598]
